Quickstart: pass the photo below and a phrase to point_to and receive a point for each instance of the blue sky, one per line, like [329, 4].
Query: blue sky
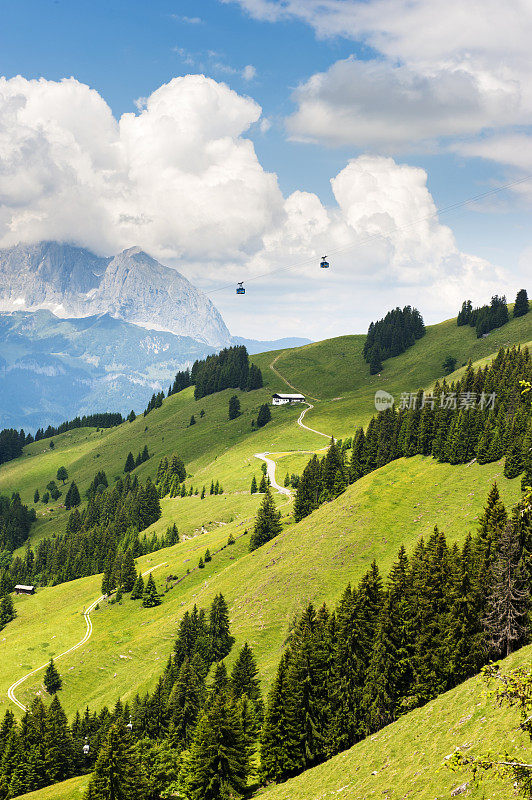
[366, 68]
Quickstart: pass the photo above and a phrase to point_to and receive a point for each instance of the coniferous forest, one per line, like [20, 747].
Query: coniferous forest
[392, 335]
[110, 523]
[389, 646]
[482, 416]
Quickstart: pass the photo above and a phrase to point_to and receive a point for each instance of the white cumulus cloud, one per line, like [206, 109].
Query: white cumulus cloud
[443, 68]
[180, 179]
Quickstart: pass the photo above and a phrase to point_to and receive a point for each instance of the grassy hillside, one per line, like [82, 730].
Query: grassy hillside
[334, 373]
[68, 790]
[213, 448]
[310, 561]
[406, 759]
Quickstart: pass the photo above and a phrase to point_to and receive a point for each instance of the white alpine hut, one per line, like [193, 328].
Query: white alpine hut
[287, 399]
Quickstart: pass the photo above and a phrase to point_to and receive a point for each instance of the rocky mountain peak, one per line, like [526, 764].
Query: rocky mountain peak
[73, 282]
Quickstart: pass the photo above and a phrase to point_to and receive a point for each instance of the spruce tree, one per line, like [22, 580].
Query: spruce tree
[244, 677]
[267, 523]
[117, 773]
[221, 640]
[58, 745]
[72, 498]
[36, 496]
[150, 596]
[280, 746]
[253, 485]
[52, 678]
[513, 464]
[506, 621]
[521, 306]
[130, 462]
[264, 415]
[7, 610]
[185, 702]
[219, 763]
[128, 572]
[138, 588]
[234, 407]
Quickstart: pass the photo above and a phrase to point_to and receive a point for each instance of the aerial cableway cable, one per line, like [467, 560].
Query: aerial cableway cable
[368, 239]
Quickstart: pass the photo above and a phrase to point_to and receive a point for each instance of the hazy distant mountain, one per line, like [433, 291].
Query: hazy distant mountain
[54, 369]
[258, 346]
[73, 282]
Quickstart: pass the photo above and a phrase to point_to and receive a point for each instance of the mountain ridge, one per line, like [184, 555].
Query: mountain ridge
[73, 282]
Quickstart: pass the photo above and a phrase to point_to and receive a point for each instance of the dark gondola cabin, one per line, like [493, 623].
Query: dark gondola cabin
[324, 264]
[21, 589]
[240, 289]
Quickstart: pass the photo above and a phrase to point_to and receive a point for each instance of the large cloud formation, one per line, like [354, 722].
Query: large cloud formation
[442, 68]
[180, 179]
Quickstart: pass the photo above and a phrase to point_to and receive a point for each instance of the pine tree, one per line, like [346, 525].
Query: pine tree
[36, 496]
[72, 498]
[264, 415]
[234, 407]
[267, 523]
[253, 485]
[506, 621]
[7, 610]
[58, 745]
[263, 485]
[219, 764]
[521, 306]
[117, 772]
[207, 557]
[280, 746]
[52, 678]
[192, 420]
[150, 597]
[244, 677]
[130, 462]
[220, 637]
[128, 572]
[138, 588]
[201, 564]
[185, 702]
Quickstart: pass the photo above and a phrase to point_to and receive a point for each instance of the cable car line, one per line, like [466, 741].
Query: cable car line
[397, 229]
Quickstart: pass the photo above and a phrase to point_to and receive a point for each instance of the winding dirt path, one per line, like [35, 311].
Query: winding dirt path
[87, 636]
[270, 464]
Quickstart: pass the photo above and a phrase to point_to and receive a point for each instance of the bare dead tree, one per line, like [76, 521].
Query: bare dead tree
[506, 621]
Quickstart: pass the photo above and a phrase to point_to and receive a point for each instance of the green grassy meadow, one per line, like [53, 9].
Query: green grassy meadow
[311, 561]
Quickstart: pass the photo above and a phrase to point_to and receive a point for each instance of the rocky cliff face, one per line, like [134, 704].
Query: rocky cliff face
[132, 286]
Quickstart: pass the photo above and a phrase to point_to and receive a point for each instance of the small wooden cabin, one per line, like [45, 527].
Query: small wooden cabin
[21, 589]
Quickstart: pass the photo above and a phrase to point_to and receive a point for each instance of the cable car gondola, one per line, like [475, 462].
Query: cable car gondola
[240, 289]
[324, 264]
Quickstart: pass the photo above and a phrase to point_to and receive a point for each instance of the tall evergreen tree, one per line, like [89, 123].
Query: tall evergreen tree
[521, 306]
[221, 640]
[117, 773]
[280, 746]
[506, 622]
[234, 407]
[128, 572]
[267, 523]
[52, 678]
[219, 765]
[150, 596]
